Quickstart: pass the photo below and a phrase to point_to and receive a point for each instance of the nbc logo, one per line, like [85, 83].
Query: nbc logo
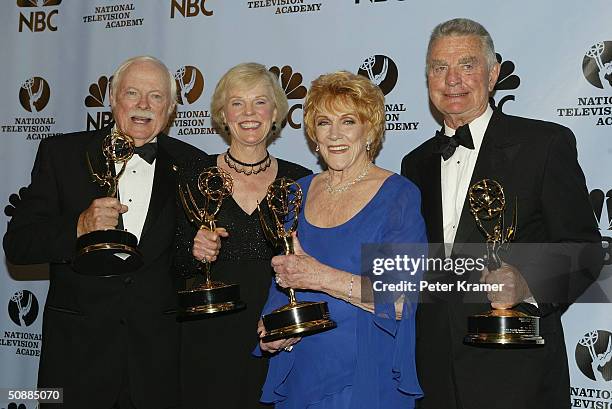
[39, 20]
[291, 83]
[99, 97]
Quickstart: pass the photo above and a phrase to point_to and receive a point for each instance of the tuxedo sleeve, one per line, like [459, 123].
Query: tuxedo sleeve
[39, 232]
[574, 240]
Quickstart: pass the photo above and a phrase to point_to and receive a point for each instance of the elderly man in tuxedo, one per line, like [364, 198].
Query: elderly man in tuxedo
[536, 163]
[109, 341]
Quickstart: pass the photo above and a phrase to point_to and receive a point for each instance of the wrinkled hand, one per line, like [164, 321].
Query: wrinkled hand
[514, 291]
[102, 214]
[273, 347]
[297, 270]
[207, 243]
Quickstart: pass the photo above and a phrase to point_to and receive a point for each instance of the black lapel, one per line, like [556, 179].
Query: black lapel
[497, 153]
[163, 186]
[97, 160]
[431, 195]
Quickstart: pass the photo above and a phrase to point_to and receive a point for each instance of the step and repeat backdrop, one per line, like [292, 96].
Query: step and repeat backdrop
[58, 56]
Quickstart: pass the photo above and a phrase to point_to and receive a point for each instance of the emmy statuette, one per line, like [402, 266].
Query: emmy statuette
[296, 319]
[210, 297]
[498, 327]
[111, 252]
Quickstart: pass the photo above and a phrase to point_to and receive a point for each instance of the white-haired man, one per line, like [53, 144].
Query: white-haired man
[109, 342]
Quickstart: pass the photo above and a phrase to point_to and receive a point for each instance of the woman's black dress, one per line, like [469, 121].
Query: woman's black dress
[218, 370]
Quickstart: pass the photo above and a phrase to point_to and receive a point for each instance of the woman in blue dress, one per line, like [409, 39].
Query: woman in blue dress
[368, 360]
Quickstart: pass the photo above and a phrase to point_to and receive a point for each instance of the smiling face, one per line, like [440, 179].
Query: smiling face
[249, 113]
[142, 104]
[459, 79]
[342, 140]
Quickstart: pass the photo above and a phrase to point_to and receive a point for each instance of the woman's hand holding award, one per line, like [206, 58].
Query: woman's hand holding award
[211, 297]
[284, 199]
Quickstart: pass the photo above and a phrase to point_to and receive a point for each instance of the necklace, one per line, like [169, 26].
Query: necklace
[334, 190]
[254, 168]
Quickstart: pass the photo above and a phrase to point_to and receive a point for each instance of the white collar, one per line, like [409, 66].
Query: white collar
[478, 127]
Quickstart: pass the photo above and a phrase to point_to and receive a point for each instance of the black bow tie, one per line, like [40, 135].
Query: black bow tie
[446, 145]
[148, 151]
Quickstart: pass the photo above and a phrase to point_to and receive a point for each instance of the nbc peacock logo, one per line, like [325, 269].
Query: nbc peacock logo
[291, 83]
[99, 93]
[506, 81]
[99, 114]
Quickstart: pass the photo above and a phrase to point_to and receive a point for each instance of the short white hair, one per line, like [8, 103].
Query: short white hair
[145, 58]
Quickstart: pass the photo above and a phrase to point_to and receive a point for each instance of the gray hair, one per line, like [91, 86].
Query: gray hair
[145, 58]
[464, 27]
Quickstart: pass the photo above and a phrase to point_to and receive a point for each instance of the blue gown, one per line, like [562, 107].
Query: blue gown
[367, 361]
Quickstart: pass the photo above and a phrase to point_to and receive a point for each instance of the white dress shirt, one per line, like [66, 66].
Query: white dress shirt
[135, 187]
[456, 174]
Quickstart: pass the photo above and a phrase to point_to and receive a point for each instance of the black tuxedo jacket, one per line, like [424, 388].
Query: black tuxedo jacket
[101, 333]
[536, 164]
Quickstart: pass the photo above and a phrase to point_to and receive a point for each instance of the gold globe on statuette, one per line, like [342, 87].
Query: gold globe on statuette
[296, 319]
[211, 297]
[497, 327]
[111, 252]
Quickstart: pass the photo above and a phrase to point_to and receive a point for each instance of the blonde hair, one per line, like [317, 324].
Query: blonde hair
[245, 75]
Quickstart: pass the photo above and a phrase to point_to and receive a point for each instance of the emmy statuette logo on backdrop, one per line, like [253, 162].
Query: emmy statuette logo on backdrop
[381, 70]
[594, 355]
[189, 84]
[23, 308]
[597, 65]
[34, 94]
